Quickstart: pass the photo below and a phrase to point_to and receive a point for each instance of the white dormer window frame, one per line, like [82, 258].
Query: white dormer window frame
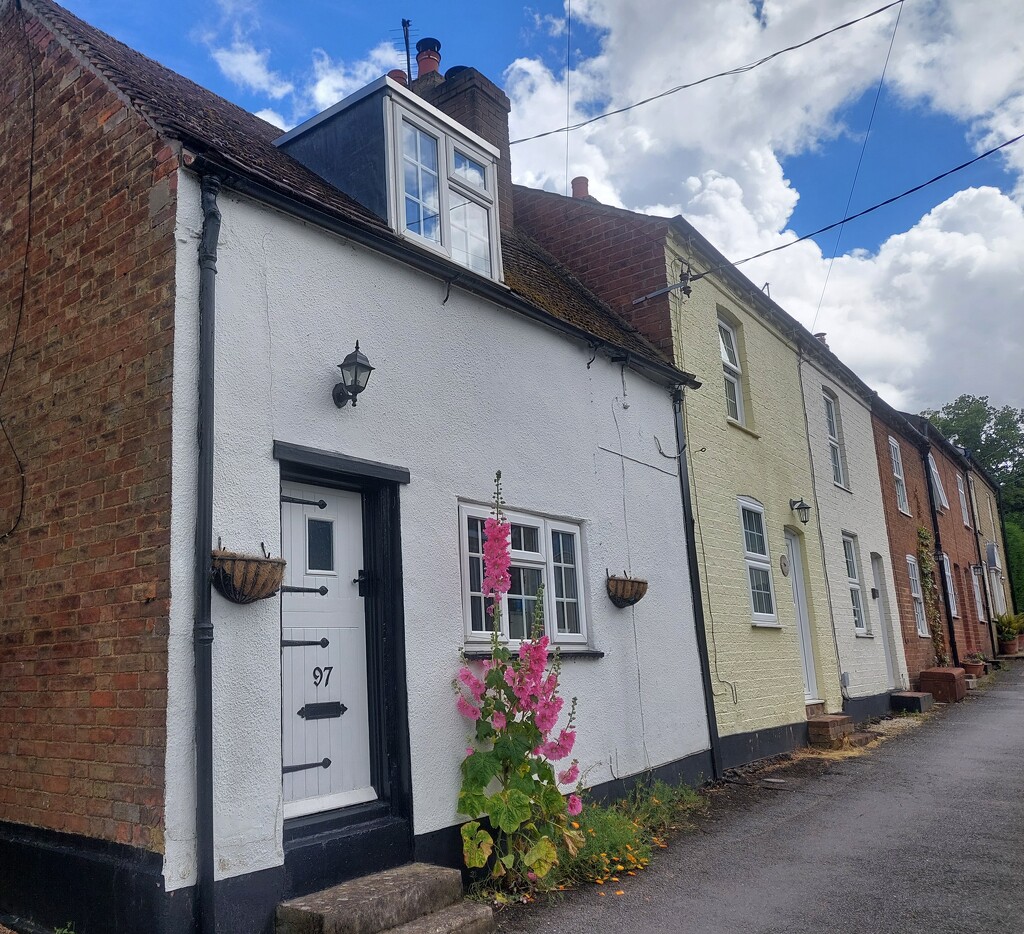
[464, 171]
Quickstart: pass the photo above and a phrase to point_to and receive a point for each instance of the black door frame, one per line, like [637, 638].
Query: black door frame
[332, 846]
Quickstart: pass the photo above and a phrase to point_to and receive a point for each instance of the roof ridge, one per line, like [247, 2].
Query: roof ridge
[579, 204]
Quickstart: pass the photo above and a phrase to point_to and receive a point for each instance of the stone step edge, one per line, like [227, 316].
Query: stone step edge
[463, 917]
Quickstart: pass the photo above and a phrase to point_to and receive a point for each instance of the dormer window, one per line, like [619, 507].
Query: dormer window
[447, 190]
[432, 180]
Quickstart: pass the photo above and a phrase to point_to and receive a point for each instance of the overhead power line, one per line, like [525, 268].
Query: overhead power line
[852, 217]
[739, 70]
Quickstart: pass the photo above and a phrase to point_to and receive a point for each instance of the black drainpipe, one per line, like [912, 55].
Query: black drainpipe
[940, 567]
[695, 588]
[202, 629]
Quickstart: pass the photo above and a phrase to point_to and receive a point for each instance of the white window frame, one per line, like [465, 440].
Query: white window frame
[732, 372]
[834, 430]
[940, 493]
[948, 574]
[755, 560]
[542, 560]
[963, 500]
[917, 597]
[896, 459]
[448, 140]
[979, 600]
[859, 605]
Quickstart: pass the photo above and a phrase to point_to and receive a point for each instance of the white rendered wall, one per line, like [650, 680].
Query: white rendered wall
[855, 509]
[460, 390]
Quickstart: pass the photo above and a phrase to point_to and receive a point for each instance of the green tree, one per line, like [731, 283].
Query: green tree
[995, 439]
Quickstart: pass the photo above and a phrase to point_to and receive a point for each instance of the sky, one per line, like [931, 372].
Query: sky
[924, 299]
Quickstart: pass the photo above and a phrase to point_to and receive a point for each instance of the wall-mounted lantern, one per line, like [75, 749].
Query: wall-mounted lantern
[355, 372]
[802, 509]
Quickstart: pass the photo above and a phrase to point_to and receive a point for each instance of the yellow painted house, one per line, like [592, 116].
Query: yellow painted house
[769, 631]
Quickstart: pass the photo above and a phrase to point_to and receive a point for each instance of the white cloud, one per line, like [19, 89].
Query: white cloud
[272, 116]
[334, 79]
[714, 153]
[247, 66]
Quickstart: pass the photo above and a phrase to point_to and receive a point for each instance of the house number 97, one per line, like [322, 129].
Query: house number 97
[322, 675]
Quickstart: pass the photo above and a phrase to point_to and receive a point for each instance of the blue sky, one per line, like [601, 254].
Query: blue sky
[751, 159]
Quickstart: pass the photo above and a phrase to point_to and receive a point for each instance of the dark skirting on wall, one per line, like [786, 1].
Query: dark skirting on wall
[862, 709]
[743, 748]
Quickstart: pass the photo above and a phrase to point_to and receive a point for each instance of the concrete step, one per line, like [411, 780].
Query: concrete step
[815, 710]
[911, 701]
[462, 918]
[374, 903]
[862, 738]
[827, 729]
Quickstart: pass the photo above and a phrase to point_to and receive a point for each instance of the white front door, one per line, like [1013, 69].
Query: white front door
[796, 579]
[325, 732]
[878, 584]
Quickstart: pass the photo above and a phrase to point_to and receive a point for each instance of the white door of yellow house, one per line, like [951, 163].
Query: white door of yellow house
[325, 747]
[880, 595]
[803, 623]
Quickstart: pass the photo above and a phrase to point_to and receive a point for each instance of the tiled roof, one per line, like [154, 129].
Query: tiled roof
[231, 136]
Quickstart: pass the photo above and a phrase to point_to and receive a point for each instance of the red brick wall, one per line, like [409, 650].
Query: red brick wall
[619, 256]
[84, 579]
[958, 541]
[903, 539]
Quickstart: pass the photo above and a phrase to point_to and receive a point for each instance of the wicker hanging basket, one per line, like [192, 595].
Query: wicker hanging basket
[625, 591]
[246, 578]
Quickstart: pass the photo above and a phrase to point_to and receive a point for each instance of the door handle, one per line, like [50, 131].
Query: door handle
[361, 579]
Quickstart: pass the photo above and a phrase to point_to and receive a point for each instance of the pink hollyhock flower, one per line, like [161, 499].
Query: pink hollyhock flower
[570, 774]
[560, 748]
[497, 558]
[547, 714]
[467, 709]
[531, 875]
[574, 805]
[498, 720]
[469, 751]
[473, 683]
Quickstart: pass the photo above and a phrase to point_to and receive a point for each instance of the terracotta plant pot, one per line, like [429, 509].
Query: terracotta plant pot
[1011, 647]
[625, 591]
[973, 669]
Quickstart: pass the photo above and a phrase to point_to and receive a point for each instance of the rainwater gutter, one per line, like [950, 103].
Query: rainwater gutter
[202, 629]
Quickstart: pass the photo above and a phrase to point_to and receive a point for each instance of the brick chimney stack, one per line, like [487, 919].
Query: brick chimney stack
[477, 103]
[581, 187]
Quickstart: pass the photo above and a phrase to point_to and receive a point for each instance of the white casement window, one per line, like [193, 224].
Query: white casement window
[995, 579]
[733, 373]
[860, 616]
[544, 551]
[937, 488]
[446, 188]
[916, 596]
[835, 444]
[991, 518]
[948, 574]
[758, 563]
[896, 459]
[979, 602]
[963, 500]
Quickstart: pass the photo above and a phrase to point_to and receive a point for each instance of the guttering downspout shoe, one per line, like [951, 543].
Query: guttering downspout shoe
[202, 629]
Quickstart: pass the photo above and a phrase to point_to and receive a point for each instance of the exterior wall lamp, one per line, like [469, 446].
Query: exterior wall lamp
[802, 509]
[355, 372]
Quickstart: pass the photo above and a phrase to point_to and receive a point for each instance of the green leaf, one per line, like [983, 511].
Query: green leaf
[508, 809]
[511, 747]
[472, 803]
[478, 770]
[551, 800]
[541, 857]
[508, 859]
[477, 845]
[484, 730]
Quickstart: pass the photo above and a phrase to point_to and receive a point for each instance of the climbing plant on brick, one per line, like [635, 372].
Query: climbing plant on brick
[930, 592]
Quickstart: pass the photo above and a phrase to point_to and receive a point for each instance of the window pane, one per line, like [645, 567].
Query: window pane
[728, 346]
[761, 591]
[753, 533]
[479, 622]
[320, 544]
[476, 536]
[851, 560]
[475, 575]
[526, 538]
[568, 618]
[563, 546]
[422, 201]
[830, 417]
[471, 242]
[732, 403]
[469, 170]
[858, 610]
[837, 463]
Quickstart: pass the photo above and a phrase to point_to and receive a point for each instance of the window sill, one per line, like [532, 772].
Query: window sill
[909, 515]
[756, 624]
[921, 635]
[842, 486]
[480, 654]
[742, 427]
[864, 635]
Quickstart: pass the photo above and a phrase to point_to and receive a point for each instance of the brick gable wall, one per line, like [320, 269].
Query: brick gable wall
[903, 540]
[84, 582]
[618, 257]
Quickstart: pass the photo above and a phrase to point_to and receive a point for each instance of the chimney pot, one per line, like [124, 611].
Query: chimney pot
[396, 74]
[428, 56]
[820, 335]
[581, 187]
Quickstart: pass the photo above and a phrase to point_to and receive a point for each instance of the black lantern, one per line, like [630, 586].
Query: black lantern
[803, 510]
[355, 371]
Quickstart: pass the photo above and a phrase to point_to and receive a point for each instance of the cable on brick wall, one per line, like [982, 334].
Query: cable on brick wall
[24, 273]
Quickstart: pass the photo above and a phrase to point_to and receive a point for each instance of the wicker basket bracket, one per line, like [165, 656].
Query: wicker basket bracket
[244, 578]
[625, 590]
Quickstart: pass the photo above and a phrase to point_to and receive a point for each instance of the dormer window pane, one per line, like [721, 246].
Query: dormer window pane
[422, 200]
[471, 245]
[470, 171]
